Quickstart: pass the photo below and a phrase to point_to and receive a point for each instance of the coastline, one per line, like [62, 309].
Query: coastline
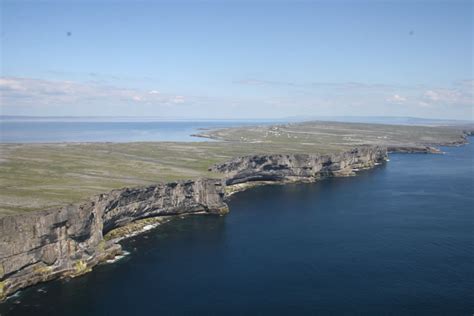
[79, 237]
[69, 241]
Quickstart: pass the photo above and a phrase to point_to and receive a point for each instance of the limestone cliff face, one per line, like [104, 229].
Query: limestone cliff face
[174, 198]
[413, 149]
[44, 245]
[69, 241]
[299, 167]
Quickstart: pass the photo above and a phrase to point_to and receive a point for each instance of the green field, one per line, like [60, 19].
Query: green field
[37, 176]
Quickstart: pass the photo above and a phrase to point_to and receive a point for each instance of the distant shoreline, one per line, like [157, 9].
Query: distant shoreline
[396, 120]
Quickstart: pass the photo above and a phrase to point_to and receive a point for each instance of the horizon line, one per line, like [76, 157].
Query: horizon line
[309, 117]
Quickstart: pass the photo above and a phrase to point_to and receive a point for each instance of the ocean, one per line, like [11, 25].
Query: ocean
[394, 240]
[101, 130]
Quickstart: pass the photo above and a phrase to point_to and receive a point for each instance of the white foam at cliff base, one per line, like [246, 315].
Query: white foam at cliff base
[148, 227]
[119, 257]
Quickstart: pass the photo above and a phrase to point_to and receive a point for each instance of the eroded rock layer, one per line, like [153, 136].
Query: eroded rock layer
[69, 241]
[299, 167]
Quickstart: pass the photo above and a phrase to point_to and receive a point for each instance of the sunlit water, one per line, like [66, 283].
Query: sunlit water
[398, 239]
[54, 131]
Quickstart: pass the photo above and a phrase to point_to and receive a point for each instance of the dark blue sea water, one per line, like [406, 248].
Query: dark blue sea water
[93, 130]
[396, 240]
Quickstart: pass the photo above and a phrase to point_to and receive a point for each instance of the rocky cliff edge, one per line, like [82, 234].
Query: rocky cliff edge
[68, 241]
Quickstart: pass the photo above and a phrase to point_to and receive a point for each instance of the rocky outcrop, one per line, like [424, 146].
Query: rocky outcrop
[69, 241]
[413, 149]
[299, 167]
[186, 197]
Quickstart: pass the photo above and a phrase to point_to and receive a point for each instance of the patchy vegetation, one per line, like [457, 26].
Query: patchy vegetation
[38, 176]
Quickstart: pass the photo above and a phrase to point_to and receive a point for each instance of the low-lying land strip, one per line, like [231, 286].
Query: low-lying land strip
[38, 176]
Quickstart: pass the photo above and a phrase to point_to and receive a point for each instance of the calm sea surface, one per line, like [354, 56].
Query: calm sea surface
[397, 240]
[54, 131]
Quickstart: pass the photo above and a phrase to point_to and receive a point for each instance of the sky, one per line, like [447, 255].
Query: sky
[237, 59]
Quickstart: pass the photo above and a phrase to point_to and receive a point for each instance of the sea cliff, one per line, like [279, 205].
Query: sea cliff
[299, 167]
[69, 241]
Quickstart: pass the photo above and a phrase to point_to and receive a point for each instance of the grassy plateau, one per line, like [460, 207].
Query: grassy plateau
[38, 176]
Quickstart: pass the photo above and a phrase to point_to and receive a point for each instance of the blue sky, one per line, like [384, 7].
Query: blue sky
[237, 59]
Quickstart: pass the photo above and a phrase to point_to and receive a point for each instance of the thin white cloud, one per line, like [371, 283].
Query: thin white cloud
[178, 99]
[458, 94]
[396, 98]
[27, 96]
[431, 95]
[39, 92]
